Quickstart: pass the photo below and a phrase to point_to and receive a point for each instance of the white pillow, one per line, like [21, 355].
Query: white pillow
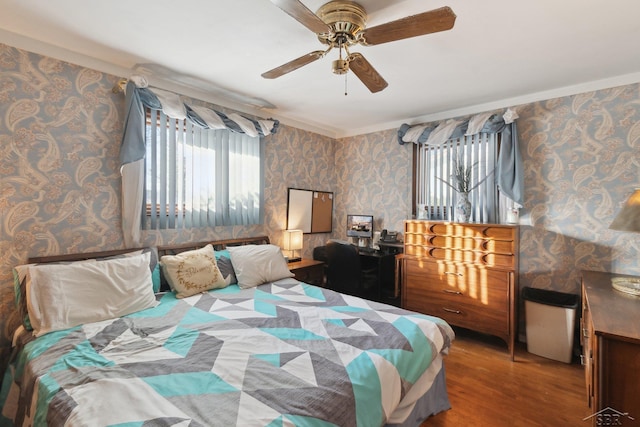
[61, 296]
[192, 272]
[258, 264]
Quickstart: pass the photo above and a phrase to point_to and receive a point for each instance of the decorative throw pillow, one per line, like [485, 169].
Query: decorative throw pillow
[223, 259]
[61, 296]
[21, 277]
[258, 264]
[154, 265]
[192, 272]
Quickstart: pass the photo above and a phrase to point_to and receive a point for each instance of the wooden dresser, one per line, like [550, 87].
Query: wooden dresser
[466, 274]
[610, 338]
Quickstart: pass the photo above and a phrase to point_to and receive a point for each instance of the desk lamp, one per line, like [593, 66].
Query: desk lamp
[628, 219]
[292, 242]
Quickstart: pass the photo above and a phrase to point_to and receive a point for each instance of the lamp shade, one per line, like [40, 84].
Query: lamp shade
[292, 240]
[628, 219]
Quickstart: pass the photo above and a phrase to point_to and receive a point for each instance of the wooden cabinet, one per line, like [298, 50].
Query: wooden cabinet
[308, 271]
[464, 273]
[610, 335]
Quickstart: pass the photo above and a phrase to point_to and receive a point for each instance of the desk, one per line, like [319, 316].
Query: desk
[379, 266]
[384, 264]
[391, 248]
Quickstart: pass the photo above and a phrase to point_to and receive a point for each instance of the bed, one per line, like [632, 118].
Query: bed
[258, 348]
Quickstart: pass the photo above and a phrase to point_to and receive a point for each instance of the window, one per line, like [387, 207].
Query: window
[196, 177]
[433, 192]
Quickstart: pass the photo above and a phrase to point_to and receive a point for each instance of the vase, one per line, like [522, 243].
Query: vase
[463, 208]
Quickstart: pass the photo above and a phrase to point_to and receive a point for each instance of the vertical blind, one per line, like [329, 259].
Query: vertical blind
[434, 169]
[198, 177]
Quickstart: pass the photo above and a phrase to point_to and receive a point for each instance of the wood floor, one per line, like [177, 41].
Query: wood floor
[487, 389]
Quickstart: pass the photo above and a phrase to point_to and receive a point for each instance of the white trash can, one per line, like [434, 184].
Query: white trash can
[550, 322]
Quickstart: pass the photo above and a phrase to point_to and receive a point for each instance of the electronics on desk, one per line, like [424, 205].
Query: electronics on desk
[376, 240]
[360, 228]
[389, 236]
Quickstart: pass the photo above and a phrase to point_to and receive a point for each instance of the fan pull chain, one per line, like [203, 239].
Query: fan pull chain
[345, 84]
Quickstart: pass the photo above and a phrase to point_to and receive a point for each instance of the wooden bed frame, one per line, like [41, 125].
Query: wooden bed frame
[162, 250]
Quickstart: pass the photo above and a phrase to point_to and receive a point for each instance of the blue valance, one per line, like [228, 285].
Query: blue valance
[509, 170]
[137, 98]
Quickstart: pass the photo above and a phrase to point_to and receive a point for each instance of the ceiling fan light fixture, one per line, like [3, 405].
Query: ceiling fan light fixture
[344, 17]
[340, 66]
[342, 24]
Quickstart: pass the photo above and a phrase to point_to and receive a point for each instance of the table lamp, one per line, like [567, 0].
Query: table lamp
[628, 219]
[292, 242]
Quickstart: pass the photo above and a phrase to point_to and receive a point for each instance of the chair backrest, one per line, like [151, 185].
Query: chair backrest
[320, 253]
[344, 273]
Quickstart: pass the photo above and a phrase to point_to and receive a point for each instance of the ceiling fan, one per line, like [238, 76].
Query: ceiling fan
[341, 24]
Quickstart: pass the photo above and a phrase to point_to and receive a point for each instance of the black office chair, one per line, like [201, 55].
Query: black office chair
[344, 270]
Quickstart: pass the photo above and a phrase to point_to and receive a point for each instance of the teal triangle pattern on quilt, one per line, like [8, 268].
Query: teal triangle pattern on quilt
[276, 355]
[189, 383]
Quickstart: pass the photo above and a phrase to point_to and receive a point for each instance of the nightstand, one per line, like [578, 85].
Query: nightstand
[308, 271]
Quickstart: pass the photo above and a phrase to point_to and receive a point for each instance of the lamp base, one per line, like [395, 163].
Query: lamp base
[296, 259]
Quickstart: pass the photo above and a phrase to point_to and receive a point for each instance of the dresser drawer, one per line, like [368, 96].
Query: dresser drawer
[471, 317]
[458, 283]
[492, 231]
[464, 243]
[472, 257]
[463, 295]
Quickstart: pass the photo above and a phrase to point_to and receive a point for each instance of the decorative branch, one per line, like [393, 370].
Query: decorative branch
[461, 177]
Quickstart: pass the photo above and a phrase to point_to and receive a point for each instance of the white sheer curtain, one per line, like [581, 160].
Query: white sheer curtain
[198, 177]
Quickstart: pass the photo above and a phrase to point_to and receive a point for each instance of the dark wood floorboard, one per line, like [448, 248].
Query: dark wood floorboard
[487, 389]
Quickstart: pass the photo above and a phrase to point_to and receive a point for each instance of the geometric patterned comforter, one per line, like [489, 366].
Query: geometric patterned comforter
[285, 353]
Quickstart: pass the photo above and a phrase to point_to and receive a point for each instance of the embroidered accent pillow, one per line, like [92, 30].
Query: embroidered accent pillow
[192, 272]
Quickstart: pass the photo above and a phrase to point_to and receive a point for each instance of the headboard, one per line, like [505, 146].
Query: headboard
[162, 250]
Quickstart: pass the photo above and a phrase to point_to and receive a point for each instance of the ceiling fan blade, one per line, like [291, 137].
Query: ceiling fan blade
[302, 14]
[294, 65]
[436, 20]
[366, 73]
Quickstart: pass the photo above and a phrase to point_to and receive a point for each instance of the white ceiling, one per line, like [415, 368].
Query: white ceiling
[499, 53]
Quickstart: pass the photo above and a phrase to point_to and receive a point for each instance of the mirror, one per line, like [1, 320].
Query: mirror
[310, 211]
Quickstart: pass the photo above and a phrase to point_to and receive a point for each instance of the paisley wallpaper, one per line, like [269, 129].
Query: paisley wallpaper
[582, 161]
[60, 127]
[373, 177]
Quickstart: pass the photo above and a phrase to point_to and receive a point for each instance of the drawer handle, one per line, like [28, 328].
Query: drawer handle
[449, 291]
[453, 273]
[583, 362]
[585, 332]
[449, 310]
